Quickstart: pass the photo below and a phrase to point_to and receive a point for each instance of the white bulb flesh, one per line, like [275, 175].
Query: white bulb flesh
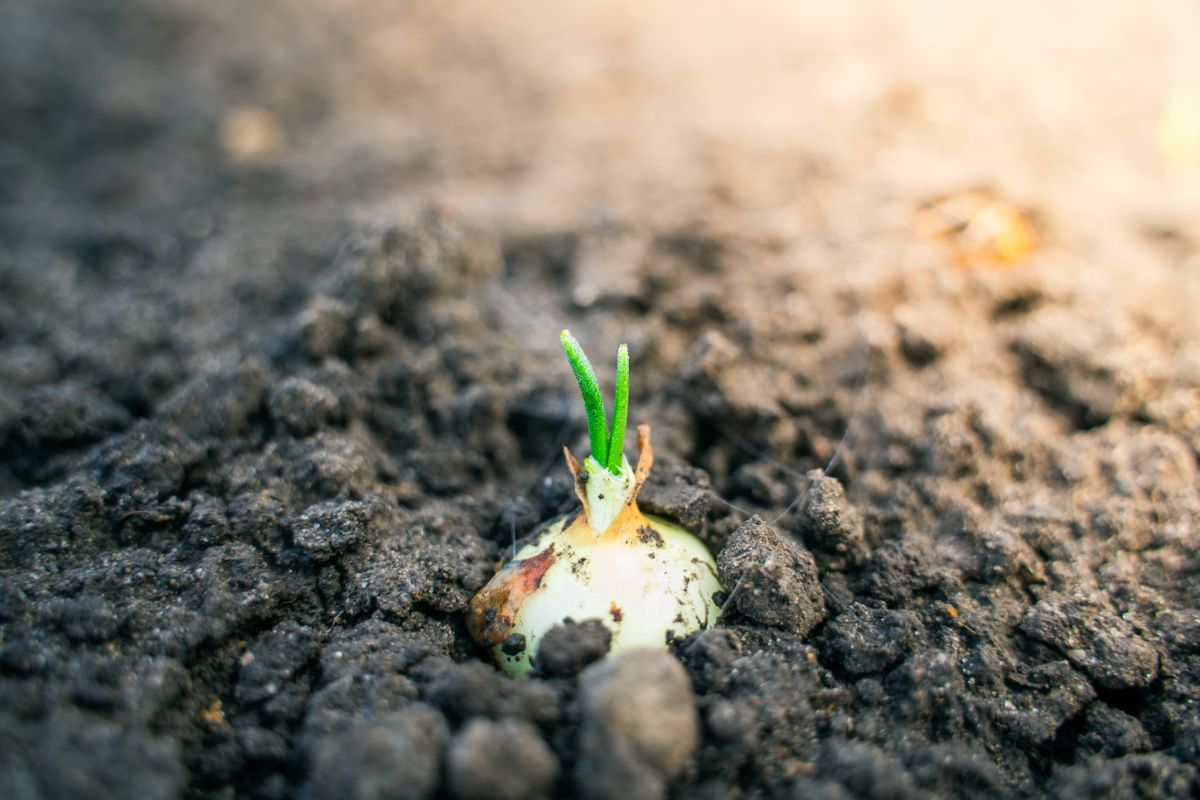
[645, 592]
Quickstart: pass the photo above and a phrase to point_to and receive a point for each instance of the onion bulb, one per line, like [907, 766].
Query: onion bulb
[645, 578]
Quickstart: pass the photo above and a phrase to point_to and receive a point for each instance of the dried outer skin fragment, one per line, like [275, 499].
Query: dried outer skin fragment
[492, 611]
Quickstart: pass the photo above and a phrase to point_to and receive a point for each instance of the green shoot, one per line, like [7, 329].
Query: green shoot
[593, 402]
[616, 444]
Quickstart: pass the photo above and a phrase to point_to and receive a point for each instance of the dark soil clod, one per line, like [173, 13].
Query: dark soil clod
[828, 523]
[773, 580]
[568, 648]
[639, 726]
[865, 640]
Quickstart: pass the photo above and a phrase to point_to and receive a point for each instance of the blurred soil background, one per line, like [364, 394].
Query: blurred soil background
[280, 288]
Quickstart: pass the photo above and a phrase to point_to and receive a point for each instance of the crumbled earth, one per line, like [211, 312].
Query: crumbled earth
[280, 289]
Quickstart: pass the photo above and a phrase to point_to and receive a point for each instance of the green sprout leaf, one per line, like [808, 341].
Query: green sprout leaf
[616, 444]
[593, 402]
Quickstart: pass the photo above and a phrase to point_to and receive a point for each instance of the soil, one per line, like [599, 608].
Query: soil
[280, 290]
